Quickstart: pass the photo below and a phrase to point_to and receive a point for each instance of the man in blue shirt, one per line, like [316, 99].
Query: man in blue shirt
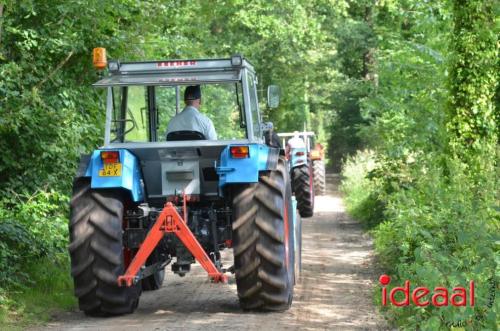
[190, 117]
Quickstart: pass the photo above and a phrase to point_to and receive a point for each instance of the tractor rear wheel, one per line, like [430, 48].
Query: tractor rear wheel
[263, 241]
[319, 177]
[303, 188]
[97, 252]
[154, 281]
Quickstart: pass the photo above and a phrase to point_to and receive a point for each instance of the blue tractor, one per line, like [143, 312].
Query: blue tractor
[146, 199]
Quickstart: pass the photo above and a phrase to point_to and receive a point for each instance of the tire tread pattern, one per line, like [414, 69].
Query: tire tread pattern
[301, 189]
[96, 251]
[262, 278]
[319, 177]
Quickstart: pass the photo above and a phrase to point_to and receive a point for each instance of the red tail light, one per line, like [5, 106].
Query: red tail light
[239, 152]
[299, 154]
[110, 156]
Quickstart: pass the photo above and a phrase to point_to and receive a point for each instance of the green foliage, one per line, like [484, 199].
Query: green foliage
[31, 227]
[416, 82]
[354, 40]
[346, 121]
[33, 261]
[52, 286]
[473, 75]
[49, 113]
[473, 83]
[362, 194]
[429, 190]
[437, 234]
[432, 231]
[225, 115]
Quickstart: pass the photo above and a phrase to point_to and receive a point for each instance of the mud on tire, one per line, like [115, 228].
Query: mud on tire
[96, 251]
[319, 177]
[303, 190]
[263, 252]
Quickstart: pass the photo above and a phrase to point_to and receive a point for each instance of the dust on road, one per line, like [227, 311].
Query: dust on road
[335, 292]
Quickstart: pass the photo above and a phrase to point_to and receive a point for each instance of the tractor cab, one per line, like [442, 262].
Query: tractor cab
[142, 98]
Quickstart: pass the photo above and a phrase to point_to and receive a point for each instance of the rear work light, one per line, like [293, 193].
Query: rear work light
[239, 152]
[110, 156]
[236, 60]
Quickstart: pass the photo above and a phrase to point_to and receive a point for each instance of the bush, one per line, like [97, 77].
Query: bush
[51, 288]
[369, 179]
[31, 227]
[436, 232]
[34, 266]
[361, 194]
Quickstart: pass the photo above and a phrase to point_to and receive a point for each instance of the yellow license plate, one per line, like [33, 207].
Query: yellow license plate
[111, 170]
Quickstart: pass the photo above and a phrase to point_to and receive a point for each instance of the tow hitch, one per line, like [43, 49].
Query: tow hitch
[169, 221]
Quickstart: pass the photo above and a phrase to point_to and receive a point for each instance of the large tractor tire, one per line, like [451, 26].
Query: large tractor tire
[319, 177]
[263, 241]
[302, 185]
[97, 253]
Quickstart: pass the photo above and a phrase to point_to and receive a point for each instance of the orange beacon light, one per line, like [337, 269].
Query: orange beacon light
[99, 58]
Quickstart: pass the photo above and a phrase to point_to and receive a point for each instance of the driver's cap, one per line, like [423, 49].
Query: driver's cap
[192, 92]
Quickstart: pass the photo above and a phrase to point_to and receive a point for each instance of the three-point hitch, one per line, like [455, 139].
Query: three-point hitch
[169, 221]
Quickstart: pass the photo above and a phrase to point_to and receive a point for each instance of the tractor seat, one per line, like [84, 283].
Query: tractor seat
[185, 135]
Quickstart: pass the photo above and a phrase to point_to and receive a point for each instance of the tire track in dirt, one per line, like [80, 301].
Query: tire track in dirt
[335, 292]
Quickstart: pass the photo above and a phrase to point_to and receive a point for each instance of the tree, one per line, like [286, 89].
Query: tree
[473, 77]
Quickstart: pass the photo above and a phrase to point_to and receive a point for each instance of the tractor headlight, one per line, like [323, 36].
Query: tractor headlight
[113, 66]
[236, 60]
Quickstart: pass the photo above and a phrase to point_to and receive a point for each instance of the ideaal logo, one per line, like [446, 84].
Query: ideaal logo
[440, 296]
[460, 296]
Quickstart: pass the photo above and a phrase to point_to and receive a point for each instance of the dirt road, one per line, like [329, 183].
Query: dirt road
[335, 292]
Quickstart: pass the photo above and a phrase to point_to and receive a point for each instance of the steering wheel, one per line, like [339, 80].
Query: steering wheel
[125, 121]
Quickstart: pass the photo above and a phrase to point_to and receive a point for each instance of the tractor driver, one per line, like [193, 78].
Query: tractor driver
[190, 118]
[295, 142]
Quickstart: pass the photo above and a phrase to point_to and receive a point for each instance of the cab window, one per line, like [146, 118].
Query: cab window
[253, 106]
[219, 102]
[165, 105]
[129, 120]
[133, 112]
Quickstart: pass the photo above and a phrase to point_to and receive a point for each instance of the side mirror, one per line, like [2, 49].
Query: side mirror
[273, 96]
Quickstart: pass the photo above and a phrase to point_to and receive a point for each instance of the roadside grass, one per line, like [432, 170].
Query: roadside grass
[50, 291]
[359, 192]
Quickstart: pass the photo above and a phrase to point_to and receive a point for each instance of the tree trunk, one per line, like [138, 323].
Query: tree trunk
[473, 81]
[369, 73]
[473, 75]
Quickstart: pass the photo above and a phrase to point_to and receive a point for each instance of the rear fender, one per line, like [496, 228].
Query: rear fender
[232, 170]
[130, 179]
